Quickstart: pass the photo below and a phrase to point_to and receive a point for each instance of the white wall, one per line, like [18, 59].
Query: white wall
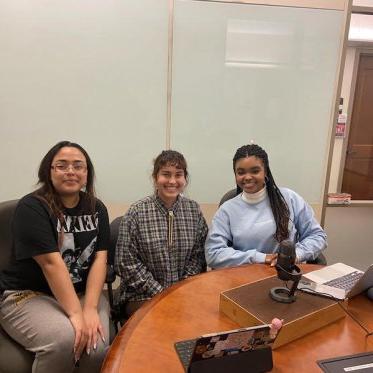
[350, 235]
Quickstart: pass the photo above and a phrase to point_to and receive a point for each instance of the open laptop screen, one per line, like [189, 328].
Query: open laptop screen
[339, 280]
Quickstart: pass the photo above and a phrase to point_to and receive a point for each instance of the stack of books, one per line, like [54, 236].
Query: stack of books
[339, 198]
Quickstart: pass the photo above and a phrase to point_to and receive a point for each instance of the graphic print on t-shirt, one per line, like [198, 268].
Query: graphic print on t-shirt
[79, 244]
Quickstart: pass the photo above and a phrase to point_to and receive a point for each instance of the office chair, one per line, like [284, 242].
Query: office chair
[115, 309]
[320, 259]
[227, 196]
[13, 357]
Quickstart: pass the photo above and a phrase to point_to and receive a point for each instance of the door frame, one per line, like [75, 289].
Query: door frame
[360, 48]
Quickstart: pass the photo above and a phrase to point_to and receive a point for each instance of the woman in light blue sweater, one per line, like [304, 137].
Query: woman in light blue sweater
[249, 227]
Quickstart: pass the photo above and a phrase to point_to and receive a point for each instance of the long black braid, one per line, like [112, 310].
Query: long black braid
[277, 201]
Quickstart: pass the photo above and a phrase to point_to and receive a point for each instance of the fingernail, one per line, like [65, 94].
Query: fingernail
[95, 346]
[103, 339]
[88, 351]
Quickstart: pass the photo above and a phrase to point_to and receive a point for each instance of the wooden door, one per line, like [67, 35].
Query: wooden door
[358, 170]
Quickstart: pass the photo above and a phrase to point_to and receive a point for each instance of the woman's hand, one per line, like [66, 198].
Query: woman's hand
[95, 282]
[58, 277]
[271, 259]
[81, 334]
[94, 327]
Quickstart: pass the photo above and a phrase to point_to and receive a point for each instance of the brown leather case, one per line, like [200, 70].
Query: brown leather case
[251, 304]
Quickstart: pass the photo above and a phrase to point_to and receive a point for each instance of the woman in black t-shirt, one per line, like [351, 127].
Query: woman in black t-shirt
[51, 299]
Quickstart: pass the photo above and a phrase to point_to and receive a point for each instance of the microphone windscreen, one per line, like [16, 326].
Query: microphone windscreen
[286, 255]
[287, 248]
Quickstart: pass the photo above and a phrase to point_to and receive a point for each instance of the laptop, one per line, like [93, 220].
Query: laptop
[356, 363]
[339, 281]
[232, 350]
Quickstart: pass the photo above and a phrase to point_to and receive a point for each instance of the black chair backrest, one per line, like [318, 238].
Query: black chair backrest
[227, 196]
[114, 231]
[7, 209]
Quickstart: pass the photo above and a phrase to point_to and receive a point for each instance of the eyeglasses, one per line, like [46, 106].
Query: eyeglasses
[65, 167]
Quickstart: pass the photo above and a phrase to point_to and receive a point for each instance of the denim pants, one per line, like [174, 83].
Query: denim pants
[37, 322]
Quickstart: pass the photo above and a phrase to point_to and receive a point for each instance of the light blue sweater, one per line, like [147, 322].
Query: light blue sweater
[244, 233]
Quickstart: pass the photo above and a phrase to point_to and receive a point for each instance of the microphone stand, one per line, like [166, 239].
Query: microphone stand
[283, 294]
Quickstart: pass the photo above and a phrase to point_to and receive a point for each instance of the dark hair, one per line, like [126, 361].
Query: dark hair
[47, 191]
[277, 201]
[170, 158]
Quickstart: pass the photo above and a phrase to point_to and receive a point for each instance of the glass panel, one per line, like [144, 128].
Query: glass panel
[94, 72]
[250, 72]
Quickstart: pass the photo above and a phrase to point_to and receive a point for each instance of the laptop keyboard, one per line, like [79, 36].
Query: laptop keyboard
[185, 350]
[345, 282]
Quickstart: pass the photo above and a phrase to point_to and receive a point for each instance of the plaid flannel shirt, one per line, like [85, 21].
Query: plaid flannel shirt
[158, 247]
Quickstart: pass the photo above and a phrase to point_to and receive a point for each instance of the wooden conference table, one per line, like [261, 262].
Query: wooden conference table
[191, 308]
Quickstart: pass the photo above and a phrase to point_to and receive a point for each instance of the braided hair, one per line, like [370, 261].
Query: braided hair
[277, 201]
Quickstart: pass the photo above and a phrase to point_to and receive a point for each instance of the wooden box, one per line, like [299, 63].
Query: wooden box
[250, 305]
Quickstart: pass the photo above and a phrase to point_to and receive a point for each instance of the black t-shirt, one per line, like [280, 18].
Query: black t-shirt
[37, 231]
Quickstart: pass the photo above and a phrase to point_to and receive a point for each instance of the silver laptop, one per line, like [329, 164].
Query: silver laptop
[339, 281]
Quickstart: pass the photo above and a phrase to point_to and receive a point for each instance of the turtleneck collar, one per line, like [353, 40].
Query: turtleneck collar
[253, 198]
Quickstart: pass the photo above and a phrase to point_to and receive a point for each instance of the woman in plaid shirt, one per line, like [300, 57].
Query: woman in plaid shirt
[161, 237]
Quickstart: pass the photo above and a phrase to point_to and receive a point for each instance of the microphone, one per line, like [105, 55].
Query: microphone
[286, 271]
[286, 258]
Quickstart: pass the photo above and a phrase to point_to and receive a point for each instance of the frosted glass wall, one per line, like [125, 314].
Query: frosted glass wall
[96, 72]
[246, 72]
